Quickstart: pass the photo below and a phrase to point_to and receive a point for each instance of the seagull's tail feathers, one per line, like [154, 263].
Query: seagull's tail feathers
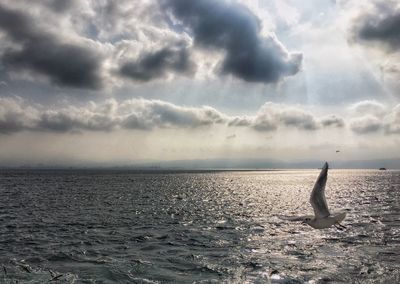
[340, 217]
[294, 218]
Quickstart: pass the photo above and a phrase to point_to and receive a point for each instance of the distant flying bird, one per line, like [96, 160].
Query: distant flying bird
[337, 151]
[322, 217]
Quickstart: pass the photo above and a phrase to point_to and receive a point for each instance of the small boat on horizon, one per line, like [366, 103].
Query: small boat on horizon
[382, 169]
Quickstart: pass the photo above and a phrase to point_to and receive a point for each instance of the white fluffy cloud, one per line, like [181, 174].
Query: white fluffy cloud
[148, 114]
[368, 107]
[332, 121]
[366, 124]
[16, 115]
[272, 116]
[373, 117]
[393, 121]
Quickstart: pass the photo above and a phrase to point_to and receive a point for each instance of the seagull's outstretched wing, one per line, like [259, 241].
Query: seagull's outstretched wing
[317, 198]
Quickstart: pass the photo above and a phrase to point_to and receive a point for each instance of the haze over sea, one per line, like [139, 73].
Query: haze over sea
[110, 226]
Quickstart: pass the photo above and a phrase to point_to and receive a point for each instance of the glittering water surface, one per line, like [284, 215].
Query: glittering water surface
[127, 227]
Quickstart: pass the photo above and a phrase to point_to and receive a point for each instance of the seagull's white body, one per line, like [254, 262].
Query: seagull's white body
[322, 223]
[322, 217]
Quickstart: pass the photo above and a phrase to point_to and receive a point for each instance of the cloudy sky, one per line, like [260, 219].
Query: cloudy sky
[120, 82]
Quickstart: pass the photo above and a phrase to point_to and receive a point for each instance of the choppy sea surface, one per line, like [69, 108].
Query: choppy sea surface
[82, 226]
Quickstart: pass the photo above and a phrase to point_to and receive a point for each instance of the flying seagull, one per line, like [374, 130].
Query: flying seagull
[322, 217]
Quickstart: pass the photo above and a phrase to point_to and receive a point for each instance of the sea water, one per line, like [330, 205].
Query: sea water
[111, 226]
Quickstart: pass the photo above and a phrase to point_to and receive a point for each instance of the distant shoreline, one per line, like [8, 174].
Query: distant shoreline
[166, 170]
[202, 165]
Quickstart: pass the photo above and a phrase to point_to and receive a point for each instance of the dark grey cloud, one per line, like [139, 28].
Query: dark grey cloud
[380, 24]
[157, 64]
[40, 51]
[233, 28]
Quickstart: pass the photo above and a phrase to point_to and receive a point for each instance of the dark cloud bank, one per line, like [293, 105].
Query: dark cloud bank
[236, 30]
[40, 51]
[225, 26]
[380, 25]
[222, 25]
